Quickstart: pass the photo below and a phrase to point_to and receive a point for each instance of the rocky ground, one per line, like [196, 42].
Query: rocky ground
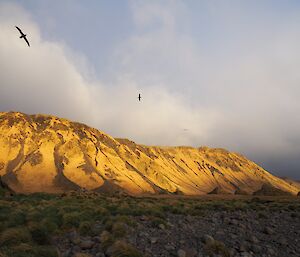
[244, 233]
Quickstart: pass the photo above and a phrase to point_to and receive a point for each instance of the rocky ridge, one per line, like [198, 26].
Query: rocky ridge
[41, 153]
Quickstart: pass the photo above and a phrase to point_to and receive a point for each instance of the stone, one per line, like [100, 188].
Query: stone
[170, 224]
[181, 253]
[268, 231]
[74, 237]
[271, 251]
[82, 255]
[86, 244]
[226, 220]
[143, 234]
[253, 239]
[283, 241]
[243, 247]
[153, 240]
[162, 226]
[220, 233]
[72, 234]
[76, 249]
[67, 253]
[144, 218]
[207, 239]
[169, 247]
[256, 248]
[246, 254]
[191, 252]
[234, 222]
[232, 252]
[97, 239]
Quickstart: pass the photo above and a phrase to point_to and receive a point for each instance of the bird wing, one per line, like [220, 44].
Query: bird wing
[19, 30]
[26, 41]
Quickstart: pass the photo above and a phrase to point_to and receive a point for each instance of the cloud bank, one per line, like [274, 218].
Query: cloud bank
[48, 78]
[240, 92]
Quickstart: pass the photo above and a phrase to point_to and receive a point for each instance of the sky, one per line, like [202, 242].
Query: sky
[216, 73]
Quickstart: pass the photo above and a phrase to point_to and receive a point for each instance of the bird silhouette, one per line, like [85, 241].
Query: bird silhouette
[139, 97]
[23, 35]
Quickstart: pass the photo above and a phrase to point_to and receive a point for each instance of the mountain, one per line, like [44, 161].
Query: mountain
[292, 182]
[50, 154]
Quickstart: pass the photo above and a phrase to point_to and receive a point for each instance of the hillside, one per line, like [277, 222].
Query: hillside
[49, 154]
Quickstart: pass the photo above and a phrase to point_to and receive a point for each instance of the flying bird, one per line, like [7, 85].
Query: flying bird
[139, 97]
[23, 35]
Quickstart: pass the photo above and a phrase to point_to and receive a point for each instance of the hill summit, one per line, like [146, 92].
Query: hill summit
[40, 153]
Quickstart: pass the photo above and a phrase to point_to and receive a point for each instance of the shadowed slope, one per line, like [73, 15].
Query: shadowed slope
[46, 153]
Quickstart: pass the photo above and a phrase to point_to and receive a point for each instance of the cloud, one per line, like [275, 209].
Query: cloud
[49, 78]
[247, 77]
[234, 86]
[40, 78]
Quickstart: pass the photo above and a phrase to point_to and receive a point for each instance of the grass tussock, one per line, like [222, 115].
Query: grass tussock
[15, 236]
[216, 247]
[123, 249]
[39, 233]
[85, 228]
[106, 239]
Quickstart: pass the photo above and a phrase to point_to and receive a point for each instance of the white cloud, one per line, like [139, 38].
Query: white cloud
[248, 80]
[48, 78]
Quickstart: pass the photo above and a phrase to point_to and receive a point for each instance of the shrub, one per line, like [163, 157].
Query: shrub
[123, 249]
[13, 236]
[262, 215]
[23, 247]
[71, 219]
[4, 212]
[119, 229]
[155, 222]
[85, 228]
[291, 207]
[17, 218]
[39, 233]
[100, 213]
[106, 239]
[49, 225]
[108, 223]
[34, 215]
[216, 247]
[127, 220]
[46, 251]
[56, 218]
[3, 254]
[82, 255]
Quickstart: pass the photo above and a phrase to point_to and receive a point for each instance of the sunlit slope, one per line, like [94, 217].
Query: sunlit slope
[45, 153]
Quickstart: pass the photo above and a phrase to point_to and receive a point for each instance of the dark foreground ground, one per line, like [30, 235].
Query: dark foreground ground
[88, 224]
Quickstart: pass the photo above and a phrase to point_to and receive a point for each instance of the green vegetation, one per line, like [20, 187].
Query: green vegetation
[14, 236]
[27, 222]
